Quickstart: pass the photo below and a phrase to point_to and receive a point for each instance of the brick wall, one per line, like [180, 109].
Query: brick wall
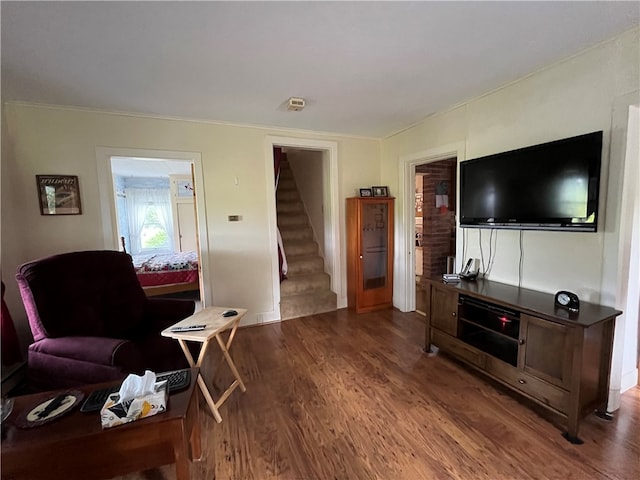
[438, 224]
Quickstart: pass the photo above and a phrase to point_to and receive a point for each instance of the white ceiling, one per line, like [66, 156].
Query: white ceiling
[365, 68]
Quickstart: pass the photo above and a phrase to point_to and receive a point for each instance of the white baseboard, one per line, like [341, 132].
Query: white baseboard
[629, 380]
[341, 302]
[614, 401]
[268, 317]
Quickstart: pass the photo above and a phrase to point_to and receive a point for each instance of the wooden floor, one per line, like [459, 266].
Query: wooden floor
[345, 396]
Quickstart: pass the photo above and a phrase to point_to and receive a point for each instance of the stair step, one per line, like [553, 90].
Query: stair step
[307, 304]
[287, 183]
[305, 283]
[300, 247]
[292, 219]
[296, 234]
[287, 195]
[290, 207]
[304, 264]
[285, 173]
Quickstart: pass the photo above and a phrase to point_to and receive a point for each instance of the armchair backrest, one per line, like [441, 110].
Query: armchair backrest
[92, 293]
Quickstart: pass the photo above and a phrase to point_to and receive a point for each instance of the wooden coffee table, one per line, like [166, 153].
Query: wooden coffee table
[76, 447]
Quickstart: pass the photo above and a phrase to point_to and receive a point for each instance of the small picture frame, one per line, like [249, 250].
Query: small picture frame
[366, 192]
[380, 191]
[59, 194]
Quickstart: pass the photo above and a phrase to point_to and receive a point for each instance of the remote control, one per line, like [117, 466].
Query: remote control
[189, 328]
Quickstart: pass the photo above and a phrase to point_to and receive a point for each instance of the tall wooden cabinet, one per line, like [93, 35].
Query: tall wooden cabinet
[369, 253]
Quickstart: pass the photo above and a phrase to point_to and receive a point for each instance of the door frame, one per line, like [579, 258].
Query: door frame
[332, 232]
[619, 234]
[404, 292]
[108, 210]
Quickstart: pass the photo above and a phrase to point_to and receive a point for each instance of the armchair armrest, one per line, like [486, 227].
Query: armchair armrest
[98, 350]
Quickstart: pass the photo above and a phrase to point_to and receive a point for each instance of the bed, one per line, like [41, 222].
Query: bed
[160, 274]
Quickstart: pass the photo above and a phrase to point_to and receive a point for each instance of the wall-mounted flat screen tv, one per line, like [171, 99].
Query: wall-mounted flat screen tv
[551, 186]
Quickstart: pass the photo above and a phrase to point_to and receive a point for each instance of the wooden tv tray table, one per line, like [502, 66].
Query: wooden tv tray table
[76, 447]
[216, 324]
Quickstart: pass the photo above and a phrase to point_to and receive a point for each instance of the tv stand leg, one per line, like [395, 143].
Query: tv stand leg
[573, 425]
[572, 438]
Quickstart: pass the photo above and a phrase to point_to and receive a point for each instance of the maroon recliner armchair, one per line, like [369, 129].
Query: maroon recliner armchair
[91, 320]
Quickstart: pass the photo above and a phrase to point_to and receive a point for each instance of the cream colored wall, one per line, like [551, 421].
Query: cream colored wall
[63, 141]
[570, 98]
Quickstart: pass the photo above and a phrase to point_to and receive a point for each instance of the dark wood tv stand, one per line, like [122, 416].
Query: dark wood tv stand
[519, 338]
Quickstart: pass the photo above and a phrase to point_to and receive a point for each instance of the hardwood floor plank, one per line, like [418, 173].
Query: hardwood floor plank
[345, 396]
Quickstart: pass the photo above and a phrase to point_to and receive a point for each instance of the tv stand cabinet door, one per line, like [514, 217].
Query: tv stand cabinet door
[444, 310]
[545, 350]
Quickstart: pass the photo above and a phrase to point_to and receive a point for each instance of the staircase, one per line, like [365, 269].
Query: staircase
[306, 290]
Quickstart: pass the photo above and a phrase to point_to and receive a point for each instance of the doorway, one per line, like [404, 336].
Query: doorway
[404, 296]
[435, 222]
[435, 225]
[328, 152]
[170, 223]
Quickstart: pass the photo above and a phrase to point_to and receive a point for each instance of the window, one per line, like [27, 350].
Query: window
[149, 218]
[153, 235]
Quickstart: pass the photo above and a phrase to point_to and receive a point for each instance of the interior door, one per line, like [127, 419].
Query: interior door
[187, 231]
[184, 213]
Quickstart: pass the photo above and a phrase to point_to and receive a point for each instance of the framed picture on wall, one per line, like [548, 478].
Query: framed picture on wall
[380, 191]
[59, 194]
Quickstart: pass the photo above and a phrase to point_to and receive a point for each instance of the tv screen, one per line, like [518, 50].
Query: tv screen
[551, 186]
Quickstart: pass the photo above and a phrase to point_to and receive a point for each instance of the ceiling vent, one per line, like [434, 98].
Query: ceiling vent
[295, 104]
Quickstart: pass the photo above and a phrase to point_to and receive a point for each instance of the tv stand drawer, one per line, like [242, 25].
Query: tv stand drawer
[533, 387]
[459, 349]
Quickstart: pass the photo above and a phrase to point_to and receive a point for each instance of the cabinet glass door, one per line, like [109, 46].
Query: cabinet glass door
[375, 248]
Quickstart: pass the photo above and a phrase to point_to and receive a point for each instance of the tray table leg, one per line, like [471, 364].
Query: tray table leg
[224, 346]
[207, 396]
[232, 366]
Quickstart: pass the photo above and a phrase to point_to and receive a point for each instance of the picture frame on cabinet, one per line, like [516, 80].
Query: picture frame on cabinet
[366, 192]
[379, 191]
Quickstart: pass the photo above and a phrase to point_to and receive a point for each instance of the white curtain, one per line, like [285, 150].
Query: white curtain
[136, 211]
[161, 198]
[138, 200]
